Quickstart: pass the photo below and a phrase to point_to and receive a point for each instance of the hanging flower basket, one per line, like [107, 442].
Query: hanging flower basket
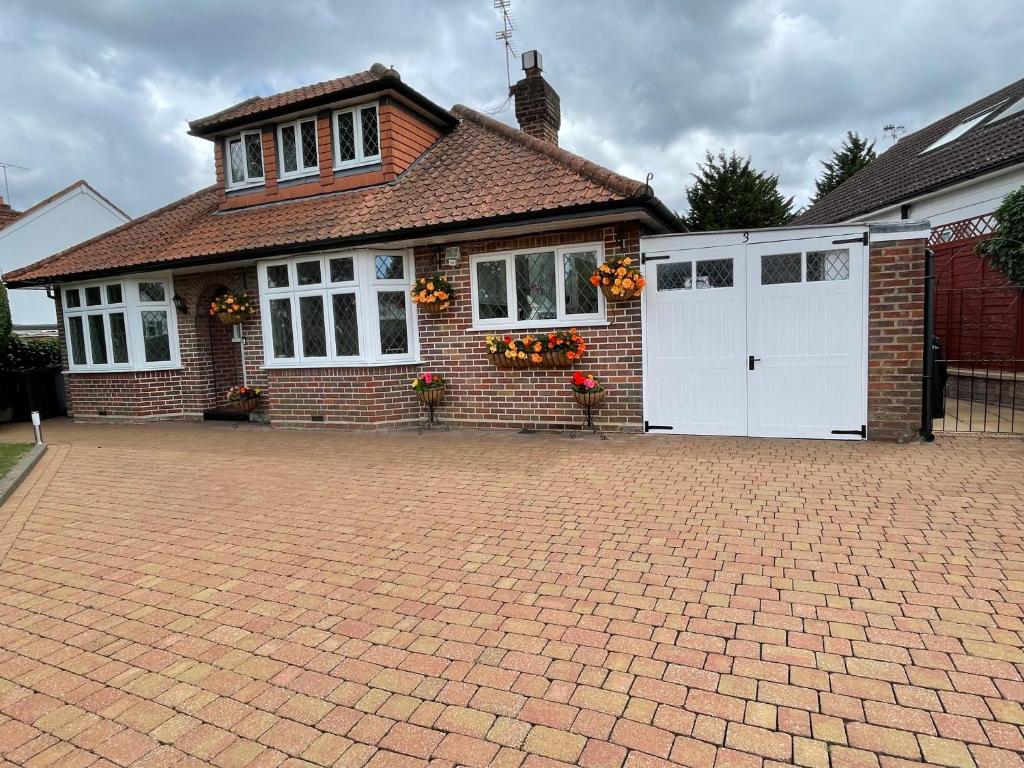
[558, 349]
[245, 399]
[232, 309]
[433, 293]
[558, 359]
[429, 388]
[619, 279]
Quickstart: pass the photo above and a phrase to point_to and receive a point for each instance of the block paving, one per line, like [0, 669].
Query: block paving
[185, 595]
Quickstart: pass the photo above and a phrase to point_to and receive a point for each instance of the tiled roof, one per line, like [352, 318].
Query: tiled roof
[7, 214]
[902, 172]
[481, 171]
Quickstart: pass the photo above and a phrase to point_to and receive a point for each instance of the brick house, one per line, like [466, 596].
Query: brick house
[331, 199]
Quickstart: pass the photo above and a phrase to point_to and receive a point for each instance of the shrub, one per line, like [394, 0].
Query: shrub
[1005, 250]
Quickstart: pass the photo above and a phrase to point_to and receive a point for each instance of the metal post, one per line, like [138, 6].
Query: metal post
[928, 375]
[37, 427]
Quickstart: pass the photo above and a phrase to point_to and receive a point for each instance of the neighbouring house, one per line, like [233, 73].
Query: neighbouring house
[332, 199]
[66, 218]
[955, 173]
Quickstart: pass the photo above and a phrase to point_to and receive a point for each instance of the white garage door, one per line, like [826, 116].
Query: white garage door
[763, 338]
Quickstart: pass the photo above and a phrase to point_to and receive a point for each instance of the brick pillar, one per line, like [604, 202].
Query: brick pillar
[895, 330]
[538, 108]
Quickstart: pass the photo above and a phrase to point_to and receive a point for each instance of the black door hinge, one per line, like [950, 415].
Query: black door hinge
[644, 258]
[863, 431]
[648, 427]
[862, 239]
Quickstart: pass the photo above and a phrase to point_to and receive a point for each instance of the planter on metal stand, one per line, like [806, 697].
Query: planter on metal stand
[429, 389]
[589, 394]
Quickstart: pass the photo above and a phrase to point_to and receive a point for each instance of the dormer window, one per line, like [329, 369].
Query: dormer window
[356, 136]
[298, 148]
[245, 159]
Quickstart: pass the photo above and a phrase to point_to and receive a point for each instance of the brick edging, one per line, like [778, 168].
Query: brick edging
[10, 482]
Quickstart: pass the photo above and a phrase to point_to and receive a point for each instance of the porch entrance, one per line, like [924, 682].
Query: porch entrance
[223, 359]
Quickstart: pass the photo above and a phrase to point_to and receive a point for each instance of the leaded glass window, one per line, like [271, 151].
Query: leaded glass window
[356, 136]
[77, 340]
[309, 147]
[253, 156]
[675, 276]
[308, 272]
[394, 331]
[535, 286]
[345, 137]
[114, 295]
[156, 337]
[97, 340]
[580, 293]
[714, 273]
[342, 269]
[298, 147]
[778, 268]
[245, 158]
[491, 289]
[346, 324]
[371, 141]
[151, 291]
[388, 267]
[93, 296]
[826, 266]
[281, 327]
[118, 338]
[311, 321]
[289, 158]
[72, 298]
[277, 276]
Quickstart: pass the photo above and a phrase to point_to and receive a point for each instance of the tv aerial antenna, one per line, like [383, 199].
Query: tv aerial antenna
[508, 26]
[7, 186]
[893, 131]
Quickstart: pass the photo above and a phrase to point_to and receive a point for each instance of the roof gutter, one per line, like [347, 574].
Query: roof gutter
[658, 216]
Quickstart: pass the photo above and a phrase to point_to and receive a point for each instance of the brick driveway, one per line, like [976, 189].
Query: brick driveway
[195, 595]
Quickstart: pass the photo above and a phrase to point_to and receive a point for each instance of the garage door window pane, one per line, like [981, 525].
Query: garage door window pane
[825, 266]
[118, 338]
[281, 327]
[156, 337]
[394, 334]
[675, 277]
[580, 293]
[77, 340]
[778, 268]
[714, 273]
[535, 286]
[311, 318]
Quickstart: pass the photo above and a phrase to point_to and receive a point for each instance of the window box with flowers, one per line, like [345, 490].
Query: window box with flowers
[232, 309]
[557, 349]
[619, 279]
[244, 398]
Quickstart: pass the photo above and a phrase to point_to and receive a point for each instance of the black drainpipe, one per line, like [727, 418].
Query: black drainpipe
[928, 375]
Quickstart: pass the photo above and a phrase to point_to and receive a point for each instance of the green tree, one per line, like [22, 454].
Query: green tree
[5, 316]
[728, 194]
[854, 154]
[1005, 250]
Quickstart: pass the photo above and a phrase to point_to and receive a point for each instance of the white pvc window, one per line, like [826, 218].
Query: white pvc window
[122, 325]
[547, 287]
[356, 136]
[243, 159]
[298, 153]
[339, 308]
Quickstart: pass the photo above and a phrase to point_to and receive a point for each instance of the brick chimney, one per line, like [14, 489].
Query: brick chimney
[538, 108]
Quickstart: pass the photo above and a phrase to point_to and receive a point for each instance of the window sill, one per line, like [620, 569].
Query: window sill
[358, 163]
[310, 173]
[335, 364]
[124, 369]
[245, 187]
[541, 326]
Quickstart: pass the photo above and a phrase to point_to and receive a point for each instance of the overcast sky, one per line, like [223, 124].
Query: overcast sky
[102, 89]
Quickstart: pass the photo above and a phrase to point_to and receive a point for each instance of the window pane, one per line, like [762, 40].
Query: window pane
[491, 289]
[118, 338]
[394, 337]
[828, 265]
[114, 294]
[311, 319]
[93, 297]
[72, 298]
[346, 137]
[371, 142]
[780, 268]
[77, 340]
[309, 156]
[277, 276]
[236, 156]
[580, 293]
[254, 156]
[288, 149]
[308, 272]
[152, 292]
[342, 270]
[535, 286]
[389, 267]
[346, 324]
[281, 327]
[97, 340]
[156, 337]
[675, 277]
[714, 273]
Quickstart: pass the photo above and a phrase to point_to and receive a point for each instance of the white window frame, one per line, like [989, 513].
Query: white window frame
[249, 181]
[562, 319]
[357, 133]
[300, 170]
[132, 308]
[365, 285]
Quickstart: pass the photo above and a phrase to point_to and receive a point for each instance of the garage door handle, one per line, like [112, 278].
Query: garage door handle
[750, 362]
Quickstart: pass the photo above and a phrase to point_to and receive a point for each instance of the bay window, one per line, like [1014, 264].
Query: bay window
[356, 136]
[336, 309]
[298, 151]
[243, 158]
[126, 324]
[547, 287]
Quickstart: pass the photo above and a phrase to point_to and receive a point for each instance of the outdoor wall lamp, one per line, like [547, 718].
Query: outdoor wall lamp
[179, 304]
[452, 254]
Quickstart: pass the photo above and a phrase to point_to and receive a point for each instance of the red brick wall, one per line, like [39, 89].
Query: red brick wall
[895, 339]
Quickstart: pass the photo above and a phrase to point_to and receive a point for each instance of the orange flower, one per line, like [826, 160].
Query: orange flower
[595, 279]
[620, 271]
[535, 358]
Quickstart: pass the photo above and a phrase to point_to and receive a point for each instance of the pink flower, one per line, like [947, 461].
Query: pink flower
[589, 383]
[427, 378]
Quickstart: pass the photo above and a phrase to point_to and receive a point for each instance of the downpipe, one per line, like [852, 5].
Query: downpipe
[928, 374]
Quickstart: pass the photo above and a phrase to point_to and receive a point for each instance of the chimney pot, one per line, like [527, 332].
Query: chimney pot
[538, 108]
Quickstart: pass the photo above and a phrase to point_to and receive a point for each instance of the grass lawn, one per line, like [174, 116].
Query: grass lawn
[9, 455]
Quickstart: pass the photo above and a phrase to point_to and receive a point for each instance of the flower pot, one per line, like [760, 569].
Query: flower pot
[247, 404]
[433, 307]
[430, 396]
[232, 318]
[557, 360]
[626, 295]
[590, 399]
